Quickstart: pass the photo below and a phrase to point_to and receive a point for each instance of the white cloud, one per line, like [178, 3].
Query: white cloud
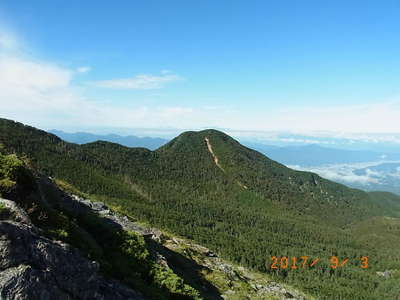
[33, 91]
[140, 82]
[345, 172]
[339, 173]
[42, 94]
[18, 75]
[83, 69]
[396, 173]
[374, 174]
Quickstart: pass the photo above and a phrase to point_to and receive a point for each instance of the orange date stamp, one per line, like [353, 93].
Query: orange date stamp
[304, 262]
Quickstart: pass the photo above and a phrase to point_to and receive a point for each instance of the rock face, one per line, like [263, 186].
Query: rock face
[277, 289]
[34, 267]
[77, 205]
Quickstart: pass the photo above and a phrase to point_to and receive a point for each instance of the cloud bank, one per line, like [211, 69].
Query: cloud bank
[344, 173]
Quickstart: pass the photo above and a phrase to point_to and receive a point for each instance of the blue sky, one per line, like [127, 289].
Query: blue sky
[243, 65]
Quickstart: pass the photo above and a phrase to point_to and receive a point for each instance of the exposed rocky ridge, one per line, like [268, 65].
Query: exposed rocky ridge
[34, 267]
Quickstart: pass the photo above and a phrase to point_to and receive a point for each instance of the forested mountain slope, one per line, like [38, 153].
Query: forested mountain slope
[246, 207]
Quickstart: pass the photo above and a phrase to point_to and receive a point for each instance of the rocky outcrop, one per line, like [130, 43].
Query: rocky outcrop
[78, 205]
[278, 290]
[34, 267]
[14, 212]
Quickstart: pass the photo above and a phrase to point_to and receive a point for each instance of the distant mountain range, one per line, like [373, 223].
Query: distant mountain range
[129, 141]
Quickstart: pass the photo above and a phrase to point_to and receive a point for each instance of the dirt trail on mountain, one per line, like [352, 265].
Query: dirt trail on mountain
[213, 155]
[209, 146]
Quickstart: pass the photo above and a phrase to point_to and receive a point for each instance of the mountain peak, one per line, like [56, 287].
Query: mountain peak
[205, 132]
[196, 140]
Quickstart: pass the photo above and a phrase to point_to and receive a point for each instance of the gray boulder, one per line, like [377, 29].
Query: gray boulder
[34, 267]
